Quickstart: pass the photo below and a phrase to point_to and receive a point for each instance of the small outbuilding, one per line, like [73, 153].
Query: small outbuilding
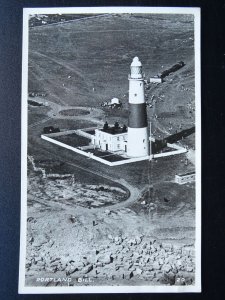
[155, 79]
[185, 178]
[115, 101]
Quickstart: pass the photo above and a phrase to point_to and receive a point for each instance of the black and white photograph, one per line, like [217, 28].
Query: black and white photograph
[111, 150]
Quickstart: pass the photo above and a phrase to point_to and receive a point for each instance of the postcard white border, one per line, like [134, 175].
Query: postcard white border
[23, 226]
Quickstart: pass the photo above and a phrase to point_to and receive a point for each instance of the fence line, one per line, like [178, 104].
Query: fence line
[179, 150]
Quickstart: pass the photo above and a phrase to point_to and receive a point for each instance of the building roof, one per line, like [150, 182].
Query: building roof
[114, 131]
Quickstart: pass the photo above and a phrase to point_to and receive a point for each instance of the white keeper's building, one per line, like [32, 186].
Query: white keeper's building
[111, 139]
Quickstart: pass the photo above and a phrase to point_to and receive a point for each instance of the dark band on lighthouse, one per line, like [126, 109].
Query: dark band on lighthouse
[137, 115]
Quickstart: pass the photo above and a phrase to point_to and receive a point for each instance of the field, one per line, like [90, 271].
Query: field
[78, 207]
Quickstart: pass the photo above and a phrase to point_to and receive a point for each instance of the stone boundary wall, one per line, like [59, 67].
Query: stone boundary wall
[87, 147]
[178, 150]
[48, 138]
[84, 134]
[89, 155]
[59, 133]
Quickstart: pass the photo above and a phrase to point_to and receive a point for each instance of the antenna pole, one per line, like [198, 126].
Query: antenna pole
[150, 127]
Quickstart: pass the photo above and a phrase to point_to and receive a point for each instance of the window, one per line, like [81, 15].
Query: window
[143, 140]
[118, 138]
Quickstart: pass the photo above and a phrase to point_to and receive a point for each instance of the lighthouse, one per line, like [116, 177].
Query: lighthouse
[138, 138]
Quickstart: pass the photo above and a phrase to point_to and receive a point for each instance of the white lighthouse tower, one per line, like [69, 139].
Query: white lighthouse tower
[138, 138]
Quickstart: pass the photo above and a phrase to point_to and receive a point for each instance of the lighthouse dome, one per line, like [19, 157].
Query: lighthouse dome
[136, 69]
[136, 62]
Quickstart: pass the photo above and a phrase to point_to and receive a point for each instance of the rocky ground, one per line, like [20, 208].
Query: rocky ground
[96, 245]
[120, 260]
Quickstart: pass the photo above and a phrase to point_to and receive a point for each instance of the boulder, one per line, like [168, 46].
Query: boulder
[138, 271]
[177, 249]
[189, 269]
[118, 240]
[87, 269]
[152, 241]
[166, 268]
[71, 269]
[144, 246]
[127, 275]
[138, 240]
[125, 250]
[38, 258]
[40, 263]
[167, 246]
[132, 242]
[147, 258]
[179, 264]
[110, 237]
[168, 278]
[153, 249]
[150, 268]
[31, 239]
[156, 266]
[102, 248]
[161, 261]
[77, 265]
[105, 258]
[118, 266]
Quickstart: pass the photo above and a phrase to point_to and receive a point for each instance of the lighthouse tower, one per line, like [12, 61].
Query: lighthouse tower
[138, 138]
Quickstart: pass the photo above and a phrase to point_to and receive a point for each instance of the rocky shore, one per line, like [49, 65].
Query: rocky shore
[122, 258]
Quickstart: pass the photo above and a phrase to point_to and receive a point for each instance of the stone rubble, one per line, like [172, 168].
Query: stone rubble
[122, 258]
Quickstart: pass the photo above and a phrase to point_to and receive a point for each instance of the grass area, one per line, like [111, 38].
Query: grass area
[73, 140]
[180, 135]
[36, 114]
[90, 131]
[74, 112]
[99, 51]
[122, 113]
[114, 158]
[106, 155]
[166, 197]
